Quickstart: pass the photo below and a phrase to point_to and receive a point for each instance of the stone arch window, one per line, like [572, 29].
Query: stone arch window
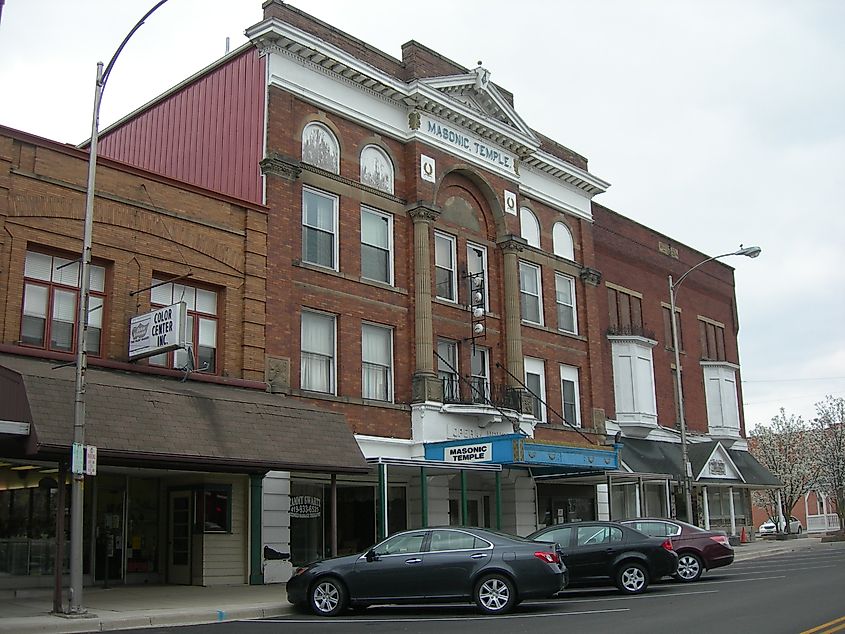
[562, 241]
[320, 147]
[376, 168]
[529, 227]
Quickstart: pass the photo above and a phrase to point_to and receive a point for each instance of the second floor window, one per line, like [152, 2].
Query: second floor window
[319, 228]
[445, 271]
[376, 246]
[51, 293]
[667, 328]
[480, 378]
[530, 291]
[712, 336]
[447, 368]
[535, 381]
[317, 361]
[376, 363]
[625, 311]
[201, 352]
[565, 299]
[570, 395]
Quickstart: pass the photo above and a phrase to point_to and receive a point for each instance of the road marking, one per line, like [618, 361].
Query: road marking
[708, 582]
[780, 569]
[390, 619]
[821, 627]
[638, 596]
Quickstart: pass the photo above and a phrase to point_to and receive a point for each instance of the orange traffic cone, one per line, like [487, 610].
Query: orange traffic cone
[743, 538]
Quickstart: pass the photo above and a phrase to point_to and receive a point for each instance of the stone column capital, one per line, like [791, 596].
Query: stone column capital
[512, 244]
[277, 164]
[590, 276]
[423, 212]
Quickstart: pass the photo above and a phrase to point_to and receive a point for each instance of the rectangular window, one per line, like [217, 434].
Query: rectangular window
[721, 396]
[445, 270]
[530, 292]
[319, 228]
[535, 381]
[567, 319]
[376, 246]
[477, 270]
[201, 352]
[51, 293]
[712, 337]
[480, 378]
[214, 509]
[447, 369]
[571, 395]
[376, 363]
[317, 361]
[625, 312]
[667, 328]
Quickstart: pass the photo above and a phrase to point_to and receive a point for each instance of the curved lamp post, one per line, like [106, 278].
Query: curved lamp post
[76, 524]
[751, 252]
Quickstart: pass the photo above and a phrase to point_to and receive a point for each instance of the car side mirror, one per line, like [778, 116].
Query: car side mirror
[372, 555]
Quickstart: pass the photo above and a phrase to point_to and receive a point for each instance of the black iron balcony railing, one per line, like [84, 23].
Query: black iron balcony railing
[477, 391]
[631, 331]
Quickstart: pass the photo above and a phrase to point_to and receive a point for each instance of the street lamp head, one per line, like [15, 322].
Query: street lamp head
[751, 252]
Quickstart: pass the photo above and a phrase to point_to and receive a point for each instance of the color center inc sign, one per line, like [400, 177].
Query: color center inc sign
[160, 331]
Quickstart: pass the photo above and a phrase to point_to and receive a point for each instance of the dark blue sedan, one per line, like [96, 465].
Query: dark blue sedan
[493, 569]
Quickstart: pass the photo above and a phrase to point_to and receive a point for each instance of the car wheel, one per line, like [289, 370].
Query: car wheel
[495, 594]
[690, 567]
[328, 597]
[631, 578]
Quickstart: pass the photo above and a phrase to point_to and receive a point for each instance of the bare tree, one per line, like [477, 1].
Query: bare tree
[830, 437]
[786, 448]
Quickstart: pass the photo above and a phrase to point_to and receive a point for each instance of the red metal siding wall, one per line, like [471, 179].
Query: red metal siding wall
[210, 133]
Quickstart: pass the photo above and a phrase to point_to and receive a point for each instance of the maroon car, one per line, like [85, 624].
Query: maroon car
[698, 549]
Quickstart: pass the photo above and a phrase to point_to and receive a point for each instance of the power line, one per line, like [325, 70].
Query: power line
[821, 378]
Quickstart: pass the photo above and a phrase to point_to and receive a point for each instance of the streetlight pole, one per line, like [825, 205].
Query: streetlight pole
[78, 478]
[686, 477]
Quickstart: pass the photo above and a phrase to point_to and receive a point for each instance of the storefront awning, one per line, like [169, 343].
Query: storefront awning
[518, 451]
[712, 463]
[150, 421]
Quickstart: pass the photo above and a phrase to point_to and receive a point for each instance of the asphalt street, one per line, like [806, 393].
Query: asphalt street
[790, 593]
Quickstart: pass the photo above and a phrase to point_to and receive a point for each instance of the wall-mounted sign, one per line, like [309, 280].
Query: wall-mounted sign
[510, 202]
[305, 506]
[453, 138]
[159, 331]
[717, 467]
[482, 452]
[427, 169]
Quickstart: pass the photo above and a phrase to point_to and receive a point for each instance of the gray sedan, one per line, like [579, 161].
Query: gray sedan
[493, 569]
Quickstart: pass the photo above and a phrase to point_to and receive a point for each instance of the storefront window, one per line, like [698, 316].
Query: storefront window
[214, 509]
[142, 534]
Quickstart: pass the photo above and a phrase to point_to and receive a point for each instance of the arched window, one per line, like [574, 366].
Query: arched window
[529, 227]
[376, 169]
[320, 147]
[562, 241]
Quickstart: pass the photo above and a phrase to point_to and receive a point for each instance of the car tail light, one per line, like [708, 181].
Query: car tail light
[667, 544]
[549, 558]
[720, 539]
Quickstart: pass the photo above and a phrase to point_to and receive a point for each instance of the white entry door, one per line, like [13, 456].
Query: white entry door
[179, 538]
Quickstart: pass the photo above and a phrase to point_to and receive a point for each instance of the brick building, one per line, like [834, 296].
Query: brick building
[436, 274]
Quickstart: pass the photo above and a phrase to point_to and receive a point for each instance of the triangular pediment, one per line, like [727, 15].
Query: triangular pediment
[719, 465]
[476, 92]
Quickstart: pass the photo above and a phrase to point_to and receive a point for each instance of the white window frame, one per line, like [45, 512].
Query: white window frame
[720, 392]
[537, 367]
[389, 218]
[438, 237]
[633, 380]
[484, 376]
[389, 368]
[562, 243]
[529, 227]
[560, 278]
[334, 232]
[333, 366]
[470, 247]
[570, 374]
[539, 280]
[445, 373]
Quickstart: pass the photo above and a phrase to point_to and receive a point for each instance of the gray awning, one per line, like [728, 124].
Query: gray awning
[143, 420]
[649, 456]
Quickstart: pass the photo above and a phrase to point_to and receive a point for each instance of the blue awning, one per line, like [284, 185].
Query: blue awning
[518, 451]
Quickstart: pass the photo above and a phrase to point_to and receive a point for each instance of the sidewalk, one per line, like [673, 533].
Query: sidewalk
[129, 607]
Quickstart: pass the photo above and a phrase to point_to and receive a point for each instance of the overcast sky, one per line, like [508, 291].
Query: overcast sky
[716, 122]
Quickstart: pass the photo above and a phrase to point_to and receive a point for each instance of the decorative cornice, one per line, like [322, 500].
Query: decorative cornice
[351, 183]
[281, 165]
[423, 212]
[590, 276]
